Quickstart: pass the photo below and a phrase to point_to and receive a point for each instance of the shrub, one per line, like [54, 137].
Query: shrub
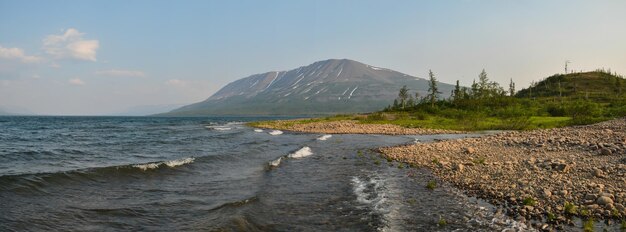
[431, 185]
[529, 201]
[570, 208]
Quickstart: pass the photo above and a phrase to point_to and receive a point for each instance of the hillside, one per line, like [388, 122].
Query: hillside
[324, 87]
[596, 85]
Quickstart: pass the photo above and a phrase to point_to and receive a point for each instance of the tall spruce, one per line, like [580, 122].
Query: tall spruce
[403, 95]
[433, 91]
[483, 84]
[456, 93]
[512, 88]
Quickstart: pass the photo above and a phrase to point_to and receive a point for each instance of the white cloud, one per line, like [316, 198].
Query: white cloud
[71, 45]
[176, 82]
[76, 81]
[121, 73]
[17, 54]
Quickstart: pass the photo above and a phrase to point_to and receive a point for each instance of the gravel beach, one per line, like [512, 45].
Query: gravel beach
[349, 127]
[546, 175]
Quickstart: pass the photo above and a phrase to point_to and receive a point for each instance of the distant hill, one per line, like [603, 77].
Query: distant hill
[324, 87]
[14, 110]
[597, 85]
[2, 112]
[144, 110]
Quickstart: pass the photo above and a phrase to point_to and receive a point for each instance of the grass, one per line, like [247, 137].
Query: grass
[551, 217]
[570, 208]
[442, 222]
[529, 201]
[431, 185]
[588, 225]
[584, 212]
[479, 161]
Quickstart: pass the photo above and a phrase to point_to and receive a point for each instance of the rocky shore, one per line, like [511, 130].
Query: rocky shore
[348, 127]
[549, 175]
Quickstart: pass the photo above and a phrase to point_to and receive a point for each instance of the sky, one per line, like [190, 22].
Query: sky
[105, 57]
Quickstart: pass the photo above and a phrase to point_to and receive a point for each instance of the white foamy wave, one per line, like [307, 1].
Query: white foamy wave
[324, 137]
[369, 192]
[258, 130]
[275, 132]
[218, 128]
[303, 152]
[275, 163]
[169, 163]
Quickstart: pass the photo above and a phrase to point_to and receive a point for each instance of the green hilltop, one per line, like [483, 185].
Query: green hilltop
[599, 85]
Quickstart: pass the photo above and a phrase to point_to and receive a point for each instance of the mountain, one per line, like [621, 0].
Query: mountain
[598, 85]
[324, 87]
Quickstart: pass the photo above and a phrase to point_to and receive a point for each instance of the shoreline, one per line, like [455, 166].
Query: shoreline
[348, 127]
[550, 176]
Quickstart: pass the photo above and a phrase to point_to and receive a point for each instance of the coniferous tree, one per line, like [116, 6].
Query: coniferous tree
[483, 84]
[474, 90]
[512, 88]
[410, 102]
[403, 95]
[433, 91]
[456, 93]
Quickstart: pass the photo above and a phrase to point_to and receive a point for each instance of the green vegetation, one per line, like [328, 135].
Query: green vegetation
[551, 217]
[570, 208]
[584, 212]
[588, 225]
[559, 100]
[479, 161]
[442, 222]
[431, 185]
[529, 201]
[623, 226]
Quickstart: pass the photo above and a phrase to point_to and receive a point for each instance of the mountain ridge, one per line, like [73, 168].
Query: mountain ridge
[323, 87]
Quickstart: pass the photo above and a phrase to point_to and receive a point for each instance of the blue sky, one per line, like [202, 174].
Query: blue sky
[103, 57]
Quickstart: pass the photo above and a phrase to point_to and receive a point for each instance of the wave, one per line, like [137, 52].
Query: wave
[38, 180]
[219, 128]
[235, 204]
[303, 152]
[258, 130]
[275, 163]
[324, 137]
[275, 132]
[368, 192]
[169, 163]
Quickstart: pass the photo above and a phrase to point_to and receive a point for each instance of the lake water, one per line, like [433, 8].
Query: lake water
[214, 174]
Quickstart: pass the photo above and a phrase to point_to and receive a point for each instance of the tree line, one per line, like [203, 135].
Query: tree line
[481, 90]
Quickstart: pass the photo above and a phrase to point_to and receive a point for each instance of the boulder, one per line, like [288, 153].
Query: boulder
[604, 200]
